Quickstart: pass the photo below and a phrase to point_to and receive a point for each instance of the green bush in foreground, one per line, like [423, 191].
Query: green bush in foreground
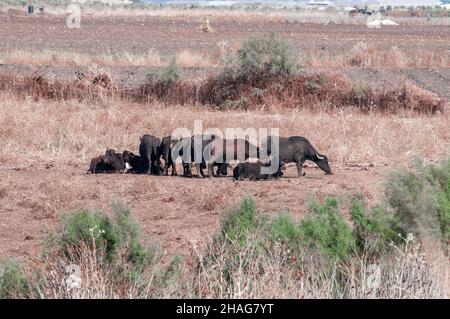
[110, 236]
[421, 199]
[13, 283]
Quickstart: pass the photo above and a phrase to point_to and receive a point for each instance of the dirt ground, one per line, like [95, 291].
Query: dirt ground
[173, 211]
[138, 34]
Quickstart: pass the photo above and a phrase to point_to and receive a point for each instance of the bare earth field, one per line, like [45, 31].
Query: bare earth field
[138, 34]
[45, 146]
[174, 211]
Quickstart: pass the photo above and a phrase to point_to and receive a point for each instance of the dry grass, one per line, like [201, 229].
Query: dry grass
[72, 132]
[47, 57]
[361, 55]
[407, 273]
[369, 56]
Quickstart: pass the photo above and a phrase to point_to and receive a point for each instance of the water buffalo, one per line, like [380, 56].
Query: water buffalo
[134, 163]
[149, 149]
[115, 160]
[200, 162]
[225, 150]
[98, 165]
[189, 143]
[297, 149]
[252, 171]
[168, 145]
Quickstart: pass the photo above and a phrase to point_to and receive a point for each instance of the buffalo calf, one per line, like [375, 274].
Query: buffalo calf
[115, 160]
[252, 171]
[134, 163]
[98, 165]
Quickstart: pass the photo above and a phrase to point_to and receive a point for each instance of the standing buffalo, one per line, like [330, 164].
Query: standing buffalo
[205, 145]
[168, 145]
[115, 160]
[297, 149]
[149, 149]
[134, 163]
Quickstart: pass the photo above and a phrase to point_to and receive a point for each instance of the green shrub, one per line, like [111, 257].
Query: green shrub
[377, 229]
[108, 235]
[271, 54]
[284, 230]
[166, 76]
[421, 198]
[13, 283]
[92, 228]
[239, 224]
[327, 231]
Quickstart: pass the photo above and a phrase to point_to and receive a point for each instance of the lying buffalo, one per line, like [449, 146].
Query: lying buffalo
[134, 163]
[115, 160]
[98, 165]
[149, 149]
[297, 149]
[253, 171]
[225, 150]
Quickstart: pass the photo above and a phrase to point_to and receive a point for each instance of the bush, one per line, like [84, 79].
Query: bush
[377, 230]
[283, 229]
[421, 199]
[327, 231]
[167, 76]
[13, 284]
[240, 223]
[92, 228]
[105, 235]
[271, 54]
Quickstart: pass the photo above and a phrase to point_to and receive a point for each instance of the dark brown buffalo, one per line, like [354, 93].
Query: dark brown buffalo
[168, 145]
[296, 149]
[253, 171]
[98, 166]
[115, 160]
[134, 163]
[149, 149]
[225, 150]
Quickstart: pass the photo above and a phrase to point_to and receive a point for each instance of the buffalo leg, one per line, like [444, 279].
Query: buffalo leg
[299, 168]
[174, 169]
[187, 170]
[199, 169]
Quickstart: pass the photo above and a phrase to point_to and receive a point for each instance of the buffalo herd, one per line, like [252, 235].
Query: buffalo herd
[272, 153]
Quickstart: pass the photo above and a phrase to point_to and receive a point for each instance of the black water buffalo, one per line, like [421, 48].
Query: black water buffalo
[189, 143]
[149, 149]
[200, 162]
[98, 165]
[115, 160]
[253, 171]
[297, 149]
[225, 150]
[134, 163]
[168, 145]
